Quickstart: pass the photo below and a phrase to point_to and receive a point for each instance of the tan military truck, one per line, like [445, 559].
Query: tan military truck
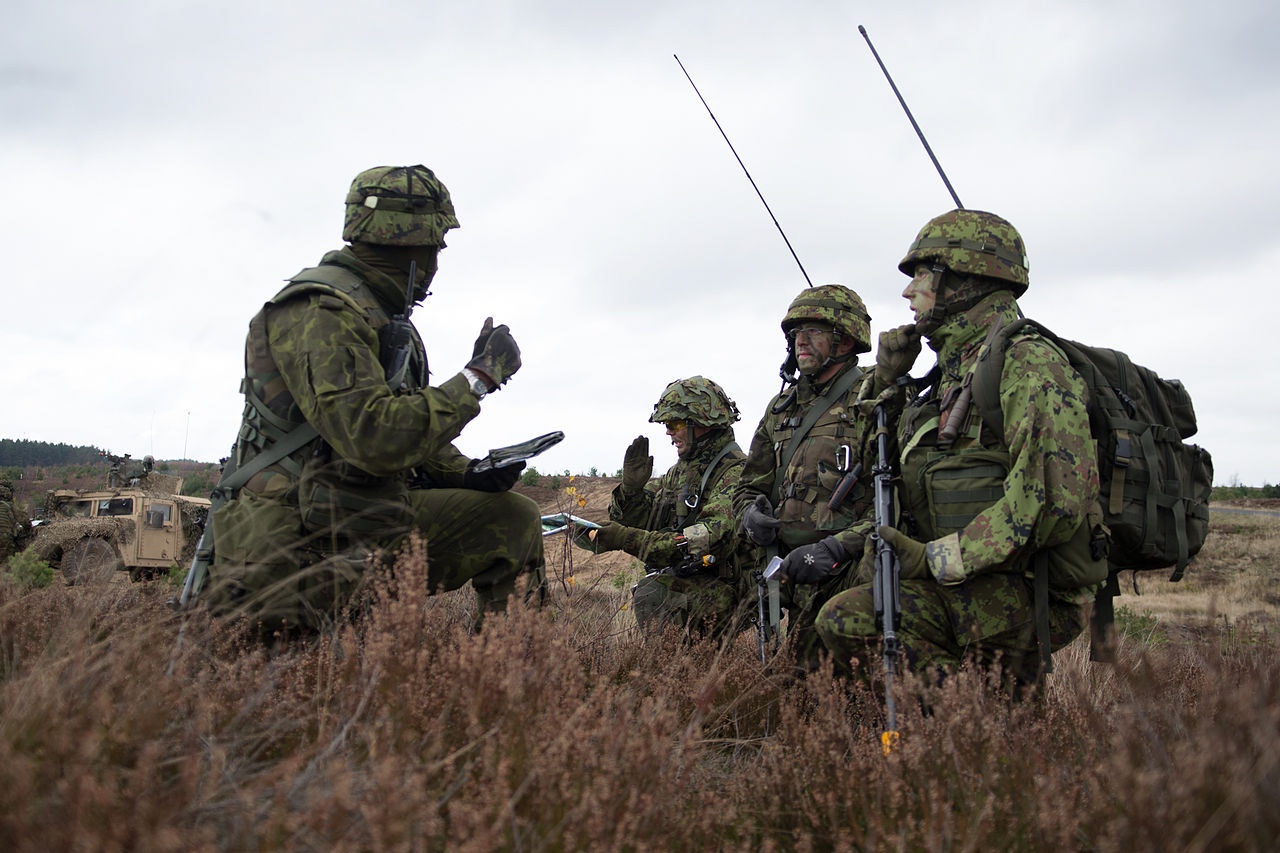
[139, 523]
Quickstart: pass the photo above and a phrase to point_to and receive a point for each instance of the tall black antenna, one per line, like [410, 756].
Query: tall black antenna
[910, 117]
[745, 172]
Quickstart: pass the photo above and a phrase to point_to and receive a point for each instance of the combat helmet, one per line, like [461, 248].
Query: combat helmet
[971, 242]
[697, 400]
[834, 304]
[398, 206]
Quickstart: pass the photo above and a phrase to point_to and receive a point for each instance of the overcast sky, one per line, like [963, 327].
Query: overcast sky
[168, 164]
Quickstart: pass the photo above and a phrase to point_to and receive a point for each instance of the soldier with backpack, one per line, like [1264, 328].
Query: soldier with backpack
[999, 536]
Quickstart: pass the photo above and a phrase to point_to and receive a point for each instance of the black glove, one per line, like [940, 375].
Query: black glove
[814, 563]
[637, 466]
[495, 355]
[758, 521]
[492, 480]
[896, 353]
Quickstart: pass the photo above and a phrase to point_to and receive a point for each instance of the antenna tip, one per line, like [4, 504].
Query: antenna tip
[862, 29]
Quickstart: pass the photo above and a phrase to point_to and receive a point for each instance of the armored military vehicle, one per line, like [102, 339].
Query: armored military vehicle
[139, 523]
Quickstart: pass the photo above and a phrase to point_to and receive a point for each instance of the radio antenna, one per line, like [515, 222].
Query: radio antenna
[745, 172]
[911, 118]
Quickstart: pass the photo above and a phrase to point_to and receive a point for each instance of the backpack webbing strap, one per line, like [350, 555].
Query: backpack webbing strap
[1102, 620]
[1041, 592]
[237, 477]
[817, 409]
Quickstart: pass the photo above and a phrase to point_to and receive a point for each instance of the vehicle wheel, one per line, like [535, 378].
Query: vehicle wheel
[91, 560]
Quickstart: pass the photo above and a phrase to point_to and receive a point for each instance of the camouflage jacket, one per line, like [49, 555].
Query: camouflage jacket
[671, 504]
[313, 355]
[839, 441]
[1040, 477]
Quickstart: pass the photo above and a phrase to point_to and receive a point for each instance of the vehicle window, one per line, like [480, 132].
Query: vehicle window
[115, 506]
[76, 509]
[158, 515]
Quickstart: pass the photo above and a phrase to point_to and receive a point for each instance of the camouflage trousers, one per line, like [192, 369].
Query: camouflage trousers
[702, 604]
[989, 619]
[267, 567]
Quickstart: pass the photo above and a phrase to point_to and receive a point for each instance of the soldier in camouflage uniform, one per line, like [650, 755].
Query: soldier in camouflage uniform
[803, 493]
[979, 511]
[334, 370]
[673, 523]
[8, 522]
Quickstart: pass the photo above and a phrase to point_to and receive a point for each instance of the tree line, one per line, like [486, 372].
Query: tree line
[22, 452]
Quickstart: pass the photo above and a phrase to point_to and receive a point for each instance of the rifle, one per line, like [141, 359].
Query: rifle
[768, 607]
[885, 585]
[911, 118]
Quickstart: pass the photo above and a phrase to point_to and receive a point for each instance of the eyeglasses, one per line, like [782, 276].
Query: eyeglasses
[674, 426]
[808, 331]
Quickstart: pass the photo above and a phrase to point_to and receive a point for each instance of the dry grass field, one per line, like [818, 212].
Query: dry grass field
[124, 726]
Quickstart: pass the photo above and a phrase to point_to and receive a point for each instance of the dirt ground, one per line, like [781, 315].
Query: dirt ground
[585, 497]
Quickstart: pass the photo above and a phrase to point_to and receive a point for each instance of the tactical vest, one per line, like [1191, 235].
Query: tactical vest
[945, 489]
[337, 500]
[677, 502]
[835, 443]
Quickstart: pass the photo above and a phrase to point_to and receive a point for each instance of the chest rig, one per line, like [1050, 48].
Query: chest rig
[817, 445]
[271, 414]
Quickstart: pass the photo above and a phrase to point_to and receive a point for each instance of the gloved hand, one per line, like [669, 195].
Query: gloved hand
[610, 537]
[495, 355]
[912, 562]
[637, 466]
[946, 565]
[814, 563]
[758, 521]
[896, 353]
[492, 480]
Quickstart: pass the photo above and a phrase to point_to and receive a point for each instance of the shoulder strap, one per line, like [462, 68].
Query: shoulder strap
[987, 371]
[706, 475]
[234, 477]
[817, 409]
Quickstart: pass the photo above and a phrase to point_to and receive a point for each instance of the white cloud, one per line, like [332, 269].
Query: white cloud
[166, 167]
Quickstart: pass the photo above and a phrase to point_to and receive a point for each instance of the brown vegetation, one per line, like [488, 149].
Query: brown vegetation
[124, 726]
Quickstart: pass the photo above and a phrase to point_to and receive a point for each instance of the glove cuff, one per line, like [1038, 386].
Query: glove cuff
[946, 561]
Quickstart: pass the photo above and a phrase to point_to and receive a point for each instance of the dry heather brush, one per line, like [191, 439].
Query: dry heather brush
[123, 726]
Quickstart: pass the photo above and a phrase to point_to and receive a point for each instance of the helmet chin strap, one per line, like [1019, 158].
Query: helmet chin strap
[836, 337]
[953, 295]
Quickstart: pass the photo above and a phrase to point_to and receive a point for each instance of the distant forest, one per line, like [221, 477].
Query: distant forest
[21, 453]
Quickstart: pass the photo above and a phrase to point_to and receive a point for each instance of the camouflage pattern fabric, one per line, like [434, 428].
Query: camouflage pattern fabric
[835, 305]
[1048, 489]
[839, 440]
[971, 242]
[698, 400]
[710, 599]
[293, 544]
[398, 206]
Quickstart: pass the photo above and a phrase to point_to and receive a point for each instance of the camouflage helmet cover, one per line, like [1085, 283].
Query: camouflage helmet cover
[973, 242]
[398, 206]
[834, 304]
[697, 400]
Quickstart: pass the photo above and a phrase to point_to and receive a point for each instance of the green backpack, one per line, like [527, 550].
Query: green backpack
[1154, 487]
